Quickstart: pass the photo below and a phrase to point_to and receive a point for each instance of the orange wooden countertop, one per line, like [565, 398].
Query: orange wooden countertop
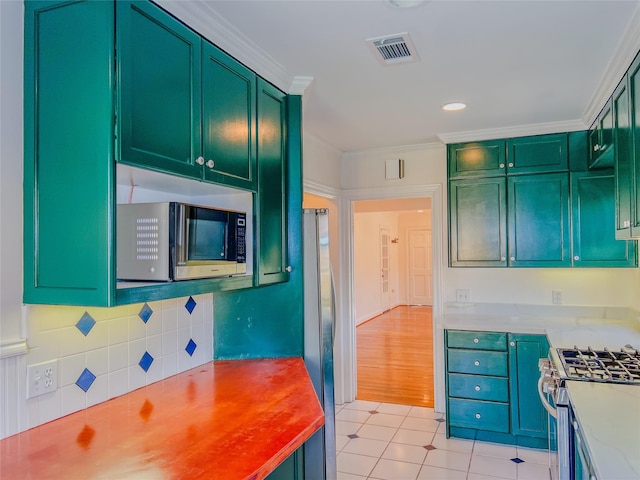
[223, 420]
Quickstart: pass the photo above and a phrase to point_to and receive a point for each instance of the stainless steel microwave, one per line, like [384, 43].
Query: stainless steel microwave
[177, 241]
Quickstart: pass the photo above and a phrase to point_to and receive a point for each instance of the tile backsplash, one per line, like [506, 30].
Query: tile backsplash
[102, 353]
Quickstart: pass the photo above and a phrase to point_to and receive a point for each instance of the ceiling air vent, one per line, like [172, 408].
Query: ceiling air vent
[392, 49]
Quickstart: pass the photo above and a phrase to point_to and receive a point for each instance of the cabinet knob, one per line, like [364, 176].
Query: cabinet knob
[288, 268]
[200, 161]
[502, 259]
[475, 340]
[596, 147]
[210, 163]
[502, 165]
[576, 257]
[477, 388]
[512, 344]
[626, 223]
[476, 363]
[478, 416]
[513, 259]
[510, 164]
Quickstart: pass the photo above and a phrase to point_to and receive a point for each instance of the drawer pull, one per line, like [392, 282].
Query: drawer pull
[476, 363]
[478, 416]
[477, 389]
[475, 340]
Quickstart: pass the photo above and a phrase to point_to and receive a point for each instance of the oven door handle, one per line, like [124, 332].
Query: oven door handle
[545, 403]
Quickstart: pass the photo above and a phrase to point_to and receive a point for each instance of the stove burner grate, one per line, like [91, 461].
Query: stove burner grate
[621, 366]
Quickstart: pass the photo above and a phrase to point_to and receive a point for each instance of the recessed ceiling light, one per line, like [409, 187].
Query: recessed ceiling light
[453, 106]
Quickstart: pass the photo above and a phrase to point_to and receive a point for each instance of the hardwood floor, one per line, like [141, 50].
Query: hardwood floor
[395, 357]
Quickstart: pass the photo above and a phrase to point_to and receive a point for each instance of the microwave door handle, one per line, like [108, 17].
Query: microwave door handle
[182, 234]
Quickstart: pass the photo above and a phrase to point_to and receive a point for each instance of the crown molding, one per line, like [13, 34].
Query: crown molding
[625, 53]
[299, 84]
[320, 189]
[203, 18]
[508, 132]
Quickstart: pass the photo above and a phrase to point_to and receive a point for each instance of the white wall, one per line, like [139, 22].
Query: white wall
[368, 268]
[320, 162]
[11, 40]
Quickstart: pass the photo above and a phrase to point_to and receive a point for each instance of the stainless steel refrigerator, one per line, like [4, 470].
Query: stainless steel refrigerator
[319, 328]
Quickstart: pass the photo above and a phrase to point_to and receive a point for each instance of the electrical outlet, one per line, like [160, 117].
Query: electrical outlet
[42, 378]
[556, 297]
[462, 295]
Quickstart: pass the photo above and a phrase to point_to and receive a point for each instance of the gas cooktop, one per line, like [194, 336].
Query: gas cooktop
[622, 366]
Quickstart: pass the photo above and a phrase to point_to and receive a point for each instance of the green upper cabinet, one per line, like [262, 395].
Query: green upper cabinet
[272, 201]
[528, 416]
[623, 156]
[593, 209]
[229, 119]
[538, 154]
[601, 139]
[68, 148]
[478, 222]
[159, 90]
[186, 108]
[539, 220]
[633, 79]
[477, 159]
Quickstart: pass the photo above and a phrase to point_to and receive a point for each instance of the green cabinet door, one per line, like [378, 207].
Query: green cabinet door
[476, 159]
[601, 139]
[538, 154]
[623, 160]
[539, 220]
[633, 79]
[528, 416]
[228, 119]
[478, 222]
[593, 214]
[291, 468]
[159, 90]
[271, 199]
[68, 148]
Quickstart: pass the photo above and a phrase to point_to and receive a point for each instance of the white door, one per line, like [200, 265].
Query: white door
[419, 268]
[385, 294]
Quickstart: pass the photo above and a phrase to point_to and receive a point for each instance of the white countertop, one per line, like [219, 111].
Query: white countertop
[609, 414]
[609, 417]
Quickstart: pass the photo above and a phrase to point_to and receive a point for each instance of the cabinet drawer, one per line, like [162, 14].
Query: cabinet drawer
[479, 415]
[477, 362]
[477, 340]
[479, 388]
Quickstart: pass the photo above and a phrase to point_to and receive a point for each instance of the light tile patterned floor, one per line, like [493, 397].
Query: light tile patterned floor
[383, 441]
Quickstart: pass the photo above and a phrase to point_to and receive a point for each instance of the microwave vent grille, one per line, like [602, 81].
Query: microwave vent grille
[147, 238]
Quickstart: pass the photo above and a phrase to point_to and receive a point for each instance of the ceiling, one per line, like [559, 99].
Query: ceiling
[520, 66]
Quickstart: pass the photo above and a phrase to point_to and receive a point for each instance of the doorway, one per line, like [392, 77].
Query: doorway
[346, 376]
[394, 337]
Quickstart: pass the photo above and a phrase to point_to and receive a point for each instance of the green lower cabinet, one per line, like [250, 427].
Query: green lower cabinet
[528, 416]
[492, 394]
[594, 241]
[291, 469]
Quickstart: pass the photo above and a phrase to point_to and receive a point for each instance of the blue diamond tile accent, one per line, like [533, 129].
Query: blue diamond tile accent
[373, 412]
[146, 361]
[145, 313]
[440, 420]
[353, 435]
[517, 460]
[85, 324]
[85, 380]
[191, 347]
[190, 305]
[430, 447]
